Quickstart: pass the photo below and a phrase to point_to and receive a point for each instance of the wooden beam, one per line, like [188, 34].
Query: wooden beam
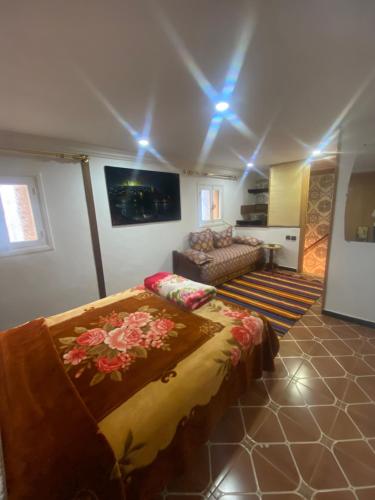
[87, 182]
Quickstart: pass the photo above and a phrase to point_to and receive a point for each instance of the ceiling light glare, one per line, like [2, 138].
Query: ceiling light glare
[143, 142]
[250, 164]
[316, 152]
[222, 106]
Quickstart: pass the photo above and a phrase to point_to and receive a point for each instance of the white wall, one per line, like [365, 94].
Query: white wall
[53, 281]
[351, 274]
[132, 252]
[287, 256]
[44, 283]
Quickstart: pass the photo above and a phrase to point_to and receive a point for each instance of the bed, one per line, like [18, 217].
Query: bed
[89, 413]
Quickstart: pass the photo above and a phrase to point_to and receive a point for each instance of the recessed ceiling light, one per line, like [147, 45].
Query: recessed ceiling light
[250, 164]
[221, 106]
[316, 152]
[143, 142]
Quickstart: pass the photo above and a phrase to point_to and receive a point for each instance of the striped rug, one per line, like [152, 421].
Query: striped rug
[281, 298]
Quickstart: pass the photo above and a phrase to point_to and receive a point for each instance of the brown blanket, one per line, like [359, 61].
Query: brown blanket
[113, 351]
[52, 447]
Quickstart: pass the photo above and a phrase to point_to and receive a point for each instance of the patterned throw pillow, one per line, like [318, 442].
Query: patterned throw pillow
[198, 257]
[202, 240]
[223, 239]
[247, 240]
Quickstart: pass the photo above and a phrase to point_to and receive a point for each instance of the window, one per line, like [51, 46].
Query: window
[22, 217]
[210, 204]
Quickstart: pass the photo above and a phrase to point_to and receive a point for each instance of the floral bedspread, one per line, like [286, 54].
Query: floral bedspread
[147, 421]
[111, 352]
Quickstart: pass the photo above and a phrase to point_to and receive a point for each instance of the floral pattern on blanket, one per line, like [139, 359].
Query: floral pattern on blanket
[116, 342]
[184, 292]
[247, 331]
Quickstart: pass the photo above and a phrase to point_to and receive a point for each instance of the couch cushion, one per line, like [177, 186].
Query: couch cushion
[230, 259]
[223, 239]
[247, 240]
[202, 240]
[197, 257]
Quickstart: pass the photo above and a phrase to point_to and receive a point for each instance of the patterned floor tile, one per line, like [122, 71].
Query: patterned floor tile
[346, 390]
[301, 333]
[262, 425]
[360, 346]
[232, 469]
[368, 385]
[370, 360]
[345, 332]
[318, 466]
[323, 332]
[335, 423]
[281, 496]
[298, 424]
[312, 348]
[337, 347]
[240, 497]
[355, 365]
[364, 331]
[366, 494]
[289, 348]
[357, 460]
[275, 469]
[312, 320]
[327, 367]
[315, 391]
[371, 442]
[334, 495]
[284, 392]
[330, 320]
[304, 431]
[364, 417]
[300, 368]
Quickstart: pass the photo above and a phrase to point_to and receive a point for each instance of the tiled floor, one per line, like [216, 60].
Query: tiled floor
[304, 431]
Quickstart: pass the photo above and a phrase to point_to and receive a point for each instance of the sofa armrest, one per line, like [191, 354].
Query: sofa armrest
[185, 267]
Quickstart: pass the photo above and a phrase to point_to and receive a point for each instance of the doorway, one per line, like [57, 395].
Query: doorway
[318, 219]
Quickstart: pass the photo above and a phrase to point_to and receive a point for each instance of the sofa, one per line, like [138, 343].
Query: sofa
[223, 263]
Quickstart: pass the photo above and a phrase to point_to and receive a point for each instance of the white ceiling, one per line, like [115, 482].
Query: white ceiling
[79, 69]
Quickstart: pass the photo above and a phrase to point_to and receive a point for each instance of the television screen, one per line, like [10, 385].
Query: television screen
[139, 196]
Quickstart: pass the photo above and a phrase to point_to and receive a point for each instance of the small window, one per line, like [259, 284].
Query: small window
[22, 217]
[210, 204]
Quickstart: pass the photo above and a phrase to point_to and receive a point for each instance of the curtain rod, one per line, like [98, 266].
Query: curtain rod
[62, 156]
[193, 173]
[84, 158]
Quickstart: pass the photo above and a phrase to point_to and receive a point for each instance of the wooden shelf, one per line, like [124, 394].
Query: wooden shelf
[257, 190]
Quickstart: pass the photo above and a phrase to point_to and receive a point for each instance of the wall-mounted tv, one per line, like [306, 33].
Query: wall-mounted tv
[139, 196]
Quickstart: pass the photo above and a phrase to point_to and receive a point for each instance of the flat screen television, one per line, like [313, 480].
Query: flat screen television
[140, 196]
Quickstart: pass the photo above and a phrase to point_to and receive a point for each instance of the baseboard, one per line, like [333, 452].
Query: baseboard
[287, 268]
[364, 322]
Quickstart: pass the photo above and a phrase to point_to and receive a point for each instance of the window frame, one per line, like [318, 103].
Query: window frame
[40, 215]
[211, 188]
